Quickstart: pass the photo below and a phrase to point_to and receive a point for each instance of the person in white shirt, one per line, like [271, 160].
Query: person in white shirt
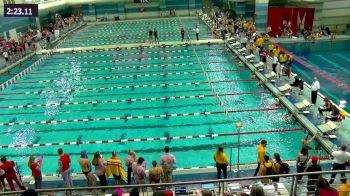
[6, 56]
[274, 63]
[340, 160]
[197, 32]
[315, 86]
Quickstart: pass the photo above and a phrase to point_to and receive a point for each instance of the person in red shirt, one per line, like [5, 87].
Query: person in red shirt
[36, 170]
[64, 168]
[11, 174]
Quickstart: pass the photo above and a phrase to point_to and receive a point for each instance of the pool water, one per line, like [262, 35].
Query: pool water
[125, 32]
[332, 58]
[142, 99]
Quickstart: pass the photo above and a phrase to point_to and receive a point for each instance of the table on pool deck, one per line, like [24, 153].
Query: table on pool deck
[269, 189]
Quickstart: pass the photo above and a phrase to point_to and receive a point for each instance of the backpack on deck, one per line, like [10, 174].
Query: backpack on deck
[284, 168]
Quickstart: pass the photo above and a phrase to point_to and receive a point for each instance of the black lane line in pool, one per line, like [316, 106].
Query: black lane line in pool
[135, 127]
[154, 46]
[197, 77]
[132, 66]
[125, 118]
[144, 59]
[125, 87]
[132, 53]
[118, 109]
[113, 94]
[135, 76]
[115, 33]
[156, 138]
[134, 100]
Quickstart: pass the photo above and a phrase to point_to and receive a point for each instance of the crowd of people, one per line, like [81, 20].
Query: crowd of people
[104, 168]
[304, 163]
[12, 50]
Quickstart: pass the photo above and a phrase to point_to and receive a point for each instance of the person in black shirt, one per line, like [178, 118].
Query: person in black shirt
[155, 32]
[182, 34]
[312, 178]
[150, 36]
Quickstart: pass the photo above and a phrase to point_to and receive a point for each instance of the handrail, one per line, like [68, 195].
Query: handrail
[252, 178]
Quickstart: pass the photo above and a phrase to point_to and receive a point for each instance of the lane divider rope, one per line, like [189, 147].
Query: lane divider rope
[153, 139]
[133, 76]
[137, 117]
[123, 87]
[131, 100]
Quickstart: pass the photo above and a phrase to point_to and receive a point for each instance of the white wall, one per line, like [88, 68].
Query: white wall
[336, 13]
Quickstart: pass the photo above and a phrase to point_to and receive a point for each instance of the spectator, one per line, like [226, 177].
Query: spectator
[323, 188]
[36, 171]
[64, 168]
[220, 159]
[257, 190]
[115, 167]
[302, 159]
[344, 188]
[100, 169]
[266, 168]
[139, 171]
[155, 174]
[326, 107]
[312, 178]
[340, 158]
[261, 155]
[276, 166]
[128, 162]
[11, 174]
[167, 161]
[86, 167]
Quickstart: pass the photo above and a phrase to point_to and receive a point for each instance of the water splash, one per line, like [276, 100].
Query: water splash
[69, 85]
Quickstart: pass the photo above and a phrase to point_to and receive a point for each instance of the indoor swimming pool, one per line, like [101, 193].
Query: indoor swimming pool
[142, 99]
[329, 61]
[126, 32]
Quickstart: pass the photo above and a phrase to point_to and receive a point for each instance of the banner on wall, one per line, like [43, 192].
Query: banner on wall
[294, 19]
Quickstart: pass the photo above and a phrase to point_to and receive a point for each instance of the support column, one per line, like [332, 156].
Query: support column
[261, 9]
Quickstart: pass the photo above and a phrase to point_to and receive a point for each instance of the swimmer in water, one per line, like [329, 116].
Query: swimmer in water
[288, 119]
[277, 101]
[253, 76]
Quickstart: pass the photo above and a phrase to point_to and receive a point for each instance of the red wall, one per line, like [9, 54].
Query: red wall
[304, 17]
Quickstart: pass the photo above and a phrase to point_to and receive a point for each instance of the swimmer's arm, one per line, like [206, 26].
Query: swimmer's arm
[310, 140]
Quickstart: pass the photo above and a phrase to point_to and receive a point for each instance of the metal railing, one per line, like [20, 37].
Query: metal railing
[221, 186]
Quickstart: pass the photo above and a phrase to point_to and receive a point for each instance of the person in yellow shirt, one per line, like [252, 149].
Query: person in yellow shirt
[283, 58]
[266, 169]
[115, 167]
[276, 51]
[260, 42]
[271, 47]
[261, 155]
[344, 188]
[220, 159]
